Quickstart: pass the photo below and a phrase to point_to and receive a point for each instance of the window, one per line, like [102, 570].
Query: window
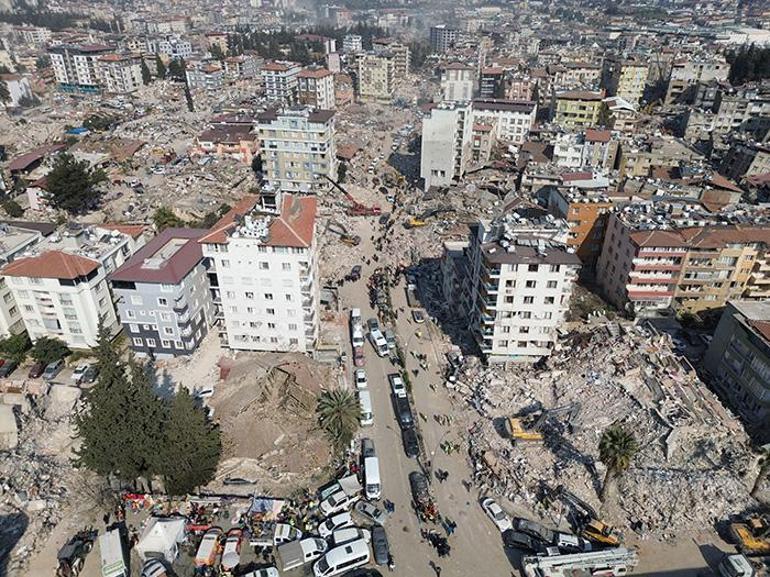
[510, 284]
[165, 317]
[286, 266]
[162, 302]
[136, 300]
[225, 263]
[268, 296]
[264, 266]
[525, 314]
[552, 284]
[271, 326]
[555, 268]
[294, 342]
[270, 311]
[151, 342]
[288, 298]
[274, 340]
[549, 300]
[133, 328]
[166, 288]
[250, 295]
[29, 308]
[178, 344]
[523, 330]
[292, 326]
[165, 344]
[168, 330]
[529, 300]
[138, 342]
[233, 309]
[502, 343]
[532, 268]
[231, 294]
[102, 302]
[531, 284]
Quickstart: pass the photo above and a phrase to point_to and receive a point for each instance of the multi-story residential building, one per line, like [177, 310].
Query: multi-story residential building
[685, 74]
[15, 240]
[520, 87]
[442, 38]
[592, 149]
[264, 275]
[399, 51]
[622, 115]
[575, 75]
[237, 141]
[578, 108]
[352, 43]
[243, 66]
[625, 78]
[33, 35]
[644, 269]
[516, 276]
[482, 141]
[279, 81]
[76, 68]
[315, 88]
[171, 46]
[738, 360]
[745, 109]
[446, 143]
[18, 89]
[492, 82]
[375, 79]
[120, 73]
[62, 289]
[205, 76]
[163, 297]
[458, 81]
[746, 159]
[512, 119]
[218, 39]
[299, 149]
[586, 213]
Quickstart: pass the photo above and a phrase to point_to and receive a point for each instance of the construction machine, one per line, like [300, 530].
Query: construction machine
[527, 428]
[585, 520]
[752, 535]
[422, 219]
[355, 208]
[338, 229]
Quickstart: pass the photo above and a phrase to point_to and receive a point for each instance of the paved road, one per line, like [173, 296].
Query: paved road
[476, 544]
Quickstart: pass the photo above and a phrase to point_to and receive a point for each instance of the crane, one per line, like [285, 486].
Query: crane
[355, 208]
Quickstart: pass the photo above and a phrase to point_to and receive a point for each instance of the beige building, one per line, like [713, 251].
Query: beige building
[578, 108]
[458, 81]
[690, 72]
[625, 79]
[376, 76]
[400, 52]
[120, 73]
[315, 88]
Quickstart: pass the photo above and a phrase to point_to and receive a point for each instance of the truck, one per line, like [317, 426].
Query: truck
[297, 553]
[609, 563]
[112, 554]
[411, 296]
[357, 337]
[740, 566]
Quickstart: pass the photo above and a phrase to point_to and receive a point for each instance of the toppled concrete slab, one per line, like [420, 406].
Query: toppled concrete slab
[61, 401]
[9, 428]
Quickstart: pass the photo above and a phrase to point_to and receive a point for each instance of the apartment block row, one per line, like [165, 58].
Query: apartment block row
[93, 68]
[288, 83]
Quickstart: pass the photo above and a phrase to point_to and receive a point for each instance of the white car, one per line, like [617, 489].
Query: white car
[360, 378]
[397, 385]
[79, 373]
[331, 524]
[499, 517]
[264, 572]
[371, 512]
[336, 502]
[342, 536]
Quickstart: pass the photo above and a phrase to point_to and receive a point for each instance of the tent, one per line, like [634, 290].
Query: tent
[160, 538]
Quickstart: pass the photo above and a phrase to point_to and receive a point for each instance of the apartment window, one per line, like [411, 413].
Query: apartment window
[509, 300]
[168, 331]
[505, 330]
[253, 325]
[510, 284]
[294, 342]
[274, 340]
[552, 284]
[549, 300]
[270, 311]
[102, 302]
[151, 342]
[250, 295]
[525, 314]
[225, 263]
[138, 342]
[264, 266]
[529, 300]
[130, 314]
[292, 326]
[271, 326]
[502, 343]
[288, 298]
[165, 344]
[522, 344]
[531, 284]
[29, 308]
[231, 294]
[547, 316]
[523, 330]
[532, 268]
[555, 268]
[134, 328]
[166, 288]
[166, 317]
[286, 266]
[268, 296]
[162, 302]
[13, 311]
[233, 309]
[136, 300]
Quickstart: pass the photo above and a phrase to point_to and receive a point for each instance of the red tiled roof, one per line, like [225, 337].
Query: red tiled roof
[762, 327]
[132, 230]
[218, 233]
[28, 158]
[52, 264]
[314, 73]
[595, 135]
[457, 66]
[570, 176]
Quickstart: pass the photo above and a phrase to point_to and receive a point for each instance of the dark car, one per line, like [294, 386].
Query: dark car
[411, 442]
[355, 273]
[534, 529]
[7, 368]
[403, 412]
[36, 370]
[384, 218]
[517, 540]
[380, 545]
[364, 573]
[90, 374]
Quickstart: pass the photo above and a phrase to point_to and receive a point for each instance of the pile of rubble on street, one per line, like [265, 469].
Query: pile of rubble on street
[694, 463]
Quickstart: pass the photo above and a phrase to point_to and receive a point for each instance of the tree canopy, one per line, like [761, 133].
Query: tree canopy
[72, 184]
[338, 414]
[47, 350]
[749, 64]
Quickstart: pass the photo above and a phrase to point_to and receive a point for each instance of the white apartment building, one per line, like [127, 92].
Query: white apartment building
[298, 148]
[688, 72]
[120, 73]
[76, 68]
[446, 143]
[264, 275]
[14, 241]
[512, 119]
[375, 76]
[205, 76]
[458, 81]
[352, 43]
[279, 80]
[515, 276]
[33, 35]
[61, 287]
[18, 88]
[170, 46]
[242, 66]
[315, 88]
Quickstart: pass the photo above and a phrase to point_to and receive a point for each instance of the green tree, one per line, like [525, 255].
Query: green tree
[764, 470]
[146, 75]
[216, 52]
[43, 62]
[5, 95]
[47, 350]
[164, 218]
[176, 69]
[617, 448]
[160, 67]
[342, 171]
[72, 184]
[338, 413]
[13, 208]
[15, 347]
[191, 446]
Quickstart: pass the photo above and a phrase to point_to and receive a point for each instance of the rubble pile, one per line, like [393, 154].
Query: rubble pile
[689, 446]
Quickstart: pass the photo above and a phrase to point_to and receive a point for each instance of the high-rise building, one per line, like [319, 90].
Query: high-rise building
[446, 144]
[163, 296]
[442, 38]
[511, 119]
[76, 68]
[625, 78]
[512, 284]
[492, 82]
[298, 149]
[279, 81]
[352, 43]
[399, 51]
[686, 73]
[120, 73]
[458, 81]
[315, 88]
[578, 108]
[264, 274]
[376, 76]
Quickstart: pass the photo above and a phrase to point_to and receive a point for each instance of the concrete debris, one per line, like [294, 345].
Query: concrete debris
[61, 400]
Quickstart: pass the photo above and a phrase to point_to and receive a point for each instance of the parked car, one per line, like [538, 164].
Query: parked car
[397, 385]
[360, 377]
[418, 316]
[371, 512]
[411, 442]
[264, 572]
[90, 375]
[209, 548]
[373, 325]
[331, 524]
[339, 501]
[354, 274]
[348, 534]
[53, 369]
[403, 412]
[79, 373]
[36, 370]
[231, 554]
[390, 338]
[499, 517]
[568, 543]
[367, 448]
[517, 540]
[285, 533]
[534, 529]
[380, 545]
[7, 368]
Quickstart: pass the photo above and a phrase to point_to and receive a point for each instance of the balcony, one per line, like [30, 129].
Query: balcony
[180, 308]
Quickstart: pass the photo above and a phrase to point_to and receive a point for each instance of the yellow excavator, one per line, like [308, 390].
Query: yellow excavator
[752, 535]
[526, 428]
[585, 519]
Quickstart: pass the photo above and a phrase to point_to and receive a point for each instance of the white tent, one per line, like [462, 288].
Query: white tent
[160, 539]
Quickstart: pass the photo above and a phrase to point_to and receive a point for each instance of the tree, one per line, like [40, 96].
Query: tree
[176, 69]
[13, 208]
[146, 75]
[72, 184]
[338, 413]
[5, 94]
[342, 171]
[256, 165]
[43, 62]
[47, 350]
[617, 448]
[764, 470]
[15, 347]
[161, 69]
[216, 52]
[188, 95]
[164, 218]
[191, 446]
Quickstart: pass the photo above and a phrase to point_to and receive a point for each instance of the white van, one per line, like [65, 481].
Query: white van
[112, 553]
[372, 478]
[342, 559]
[367, 414]
[297, 553]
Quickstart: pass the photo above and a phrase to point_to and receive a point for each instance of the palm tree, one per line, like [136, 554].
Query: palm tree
[617, 448]
[338, 414]
[764, 469]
